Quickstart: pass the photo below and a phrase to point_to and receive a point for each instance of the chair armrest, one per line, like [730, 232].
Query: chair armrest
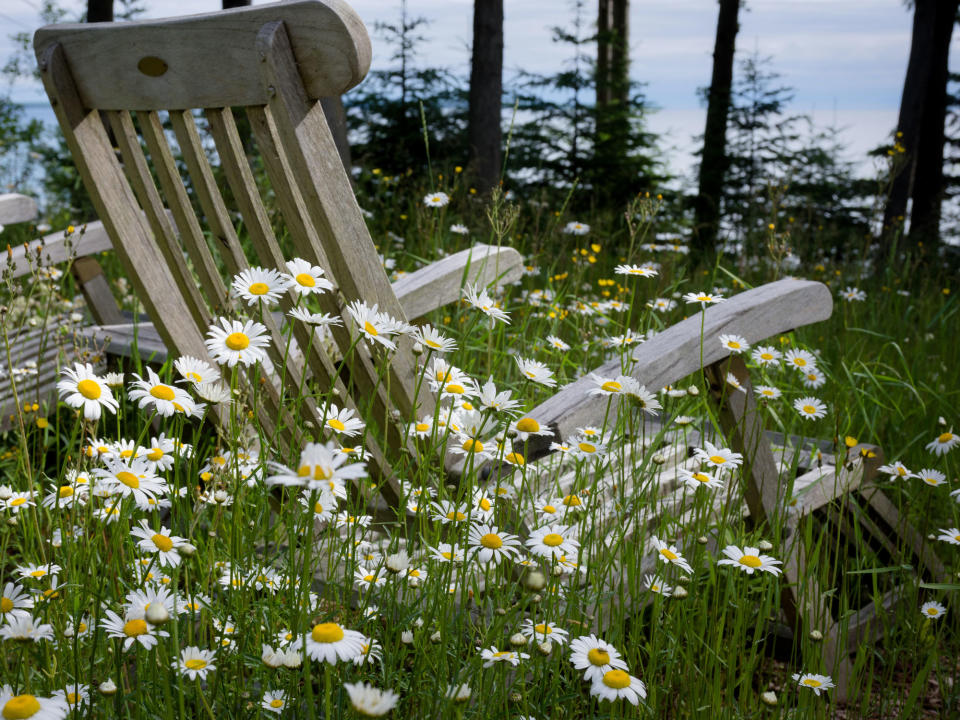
[16, 208]
[57, 248]
[673, 354]
[440, 282]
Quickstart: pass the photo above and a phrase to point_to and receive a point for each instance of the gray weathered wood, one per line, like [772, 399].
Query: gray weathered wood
[56, 248]
[16, 208]
[207, 60]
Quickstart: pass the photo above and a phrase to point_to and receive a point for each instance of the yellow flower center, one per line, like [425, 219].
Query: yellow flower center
[669, 554]
[471, 445]
[20, 706]
[549, 509]
[276, 703]
[128, 479]
[484, 504]
[194, 376]
[163, 542]
[702, 477]
[369, 578]
[306, 279]
[930, 611]
[598, 657]
[572, 501]
[162, 392]
[6, 605]
[515, 458]
[750, 561]
[17, 501]
[502, 653]
[800, 362]
[492, 541]
[259, 288]
[327, 633]
[422, 427]
[809, 409]
[718, 459]
[195, 664]
[945, 437]
[810, 682]
[318, 508]
[155, 455]
[336, 424]
[446, 555]
[528, 425]
[543, 628]
[455, 389]
[38, 573]
[370, 329]
[72, 698]
[456, 515]
[587, 447]
[133, 628]
[237, 341]
[616, 679]
[733, 345]
[90, 389]
[552, 539]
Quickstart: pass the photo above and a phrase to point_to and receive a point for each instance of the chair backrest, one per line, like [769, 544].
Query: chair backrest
[273, 63]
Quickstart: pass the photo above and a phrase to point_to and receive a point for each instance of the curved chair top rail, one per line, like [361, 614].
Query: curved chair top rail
[673, 354]
[208, 60]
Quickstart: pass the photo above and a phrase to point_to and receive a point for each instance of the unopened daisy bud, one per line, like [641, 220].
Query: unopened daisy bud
[157, 614]
[693, 391]
[417, 349]
[107, 687]
[459, 693]
[12, 520]
[187, 549]
[436, 637]
[536, 599]
[816, 635]
[931, 536]
[516, 697]
[292, 659]
[769, 698]
[5, 492]
[518, 640]
[659, 459]
[398, 562]
[536, 581]
[545, 648]
[418, 623]
[406, 637]
[765, 545]
[680, 592]
[501, 611]
[703, 540]
[271, 658]
[942, 420]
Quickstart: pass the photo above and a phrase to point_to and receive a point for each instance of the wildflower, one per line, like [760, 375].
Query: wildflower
[623, 384]
[656, 585]
[26, 628]
[161, 452]
[733, 382]
[260, 284]
[718, 457]
[932, 477]
[235, 342]
[764, 355]
[663, 304]
[130, 629]
[459, 229]
[18, 501]
[214, 392]
[896, 470]
[166, 399]
[768, 392]
[490, 544]
[810, 408]
[342, 421]
[159, 542]
[371, 652]
[699, 478]
[536, 371]
[933, 610]
[15, 602]
[31, 706]
[943, 443]
[134, 479]
[375, 327]
[321, 467]
[81, 388]
[38, 571]
[586, 447]
[491, 655]
[749, 559]
[800, 360]
[636, 270]
[951, 536]
[734, 343]
[556, 343]
[853, 294]
[307, 279]
[458, 693]
[813, 379]
[328, 642]
[195, 663]
[617, 684]
[817, 683]
[74, 696]
[543, 631]
[274, 701]
[436, 200]
[552, 541]
[704, 298]
[478, 297]
[669, 554]
[369, 700]
[195, 370]
[594, 656]
[576, 228]
[493, 400]
[447, 553]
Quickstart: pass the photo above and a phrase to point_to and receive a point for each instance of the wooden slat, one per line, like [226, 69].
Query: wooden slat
[440, 283]
[96, 291]
[116, 205]
[120, 340]
[206, 60]
[15, 208]
[675, 353]
[56, 248]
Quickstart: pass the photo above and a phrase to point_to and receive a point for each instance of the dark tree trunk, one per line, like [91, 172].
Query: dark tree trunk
[713, 161]
[918, 103]
[99, 10]
[486, 89]
[612, 129]
[230, 4]
[613, 44]
[928, 185]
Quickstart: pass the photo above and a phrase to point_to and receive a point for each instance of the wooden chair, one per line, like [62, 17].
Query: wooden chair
[274, 63]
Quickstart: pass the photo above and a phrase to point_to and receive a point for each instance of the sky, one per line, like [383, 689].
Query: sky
[844, 59]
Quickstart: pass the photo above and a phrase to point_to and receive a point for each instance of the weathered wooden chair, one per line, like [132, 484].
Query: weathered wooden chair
[274, 63]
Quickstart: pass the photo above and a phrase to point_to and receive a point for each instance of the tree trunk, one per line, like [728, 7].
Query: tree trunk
[928, 184]
[613, 62]
[713, 161]
[99, 11]
[230, 4]
[486, 89]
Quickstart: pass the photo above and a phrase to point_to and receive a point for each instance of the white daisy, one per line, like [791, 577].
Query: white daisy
[810, 408]
[617, 684]
[130, 629]
[195, 370]
[258, 284]
[749, 560]
[489, 544]
[932, 610]
[491, 655]
[307, 279]
[552, 541]
[669, 554]
[817, 683]
[594, 656]
[329, 642]
[734, 343]
[195, 663]
[160, 542]
[81, 388]
[166, 399]
[765, 355]
[478, 297]
[369, 700]
[436, 199]
[235, 342]
[274, 700]
[943, 443]
[535, 371]
[31, 706]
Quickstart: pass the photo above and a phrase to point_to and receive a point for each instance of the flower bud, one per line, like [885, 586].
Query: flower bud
[769, 698]
[157, 614]
[518, 640]
[107, 687]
